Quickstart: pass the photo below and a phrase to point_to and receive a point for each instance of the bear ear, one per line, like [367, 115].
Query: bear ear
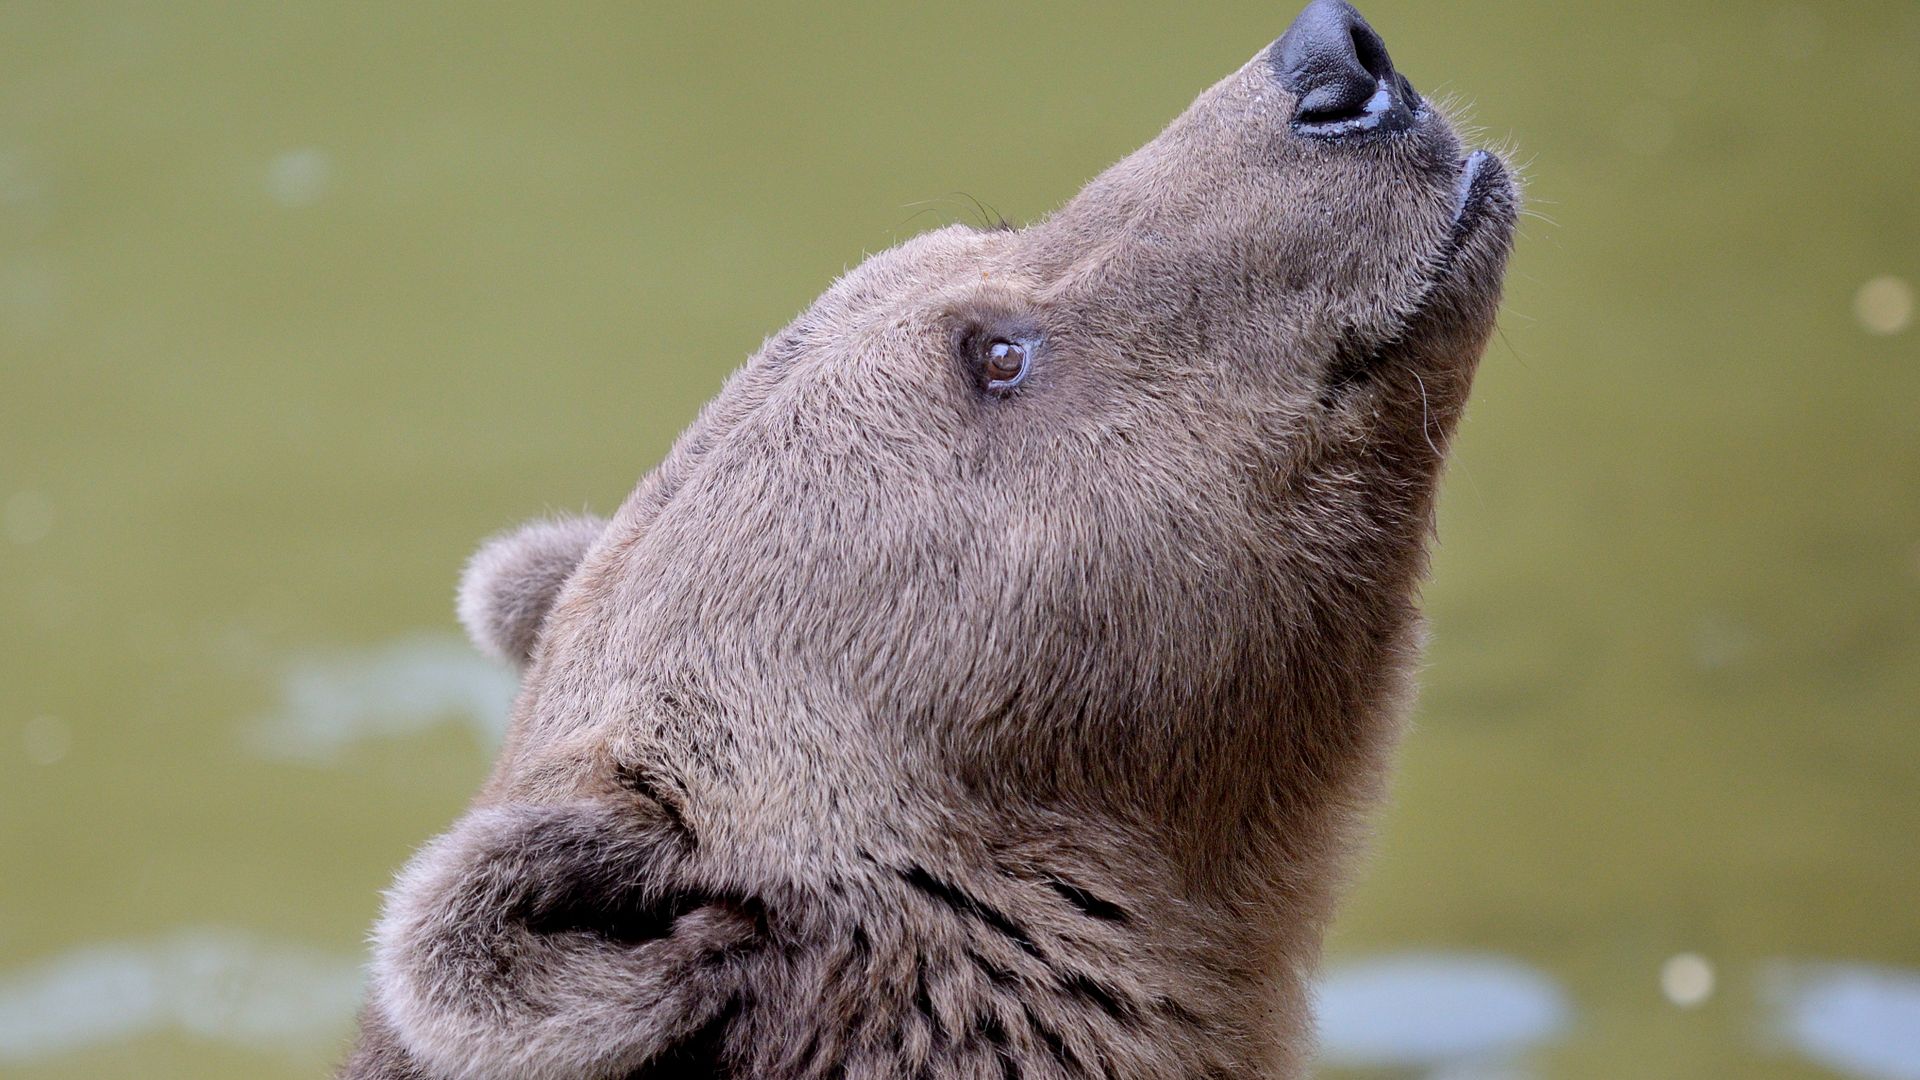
[511, 582]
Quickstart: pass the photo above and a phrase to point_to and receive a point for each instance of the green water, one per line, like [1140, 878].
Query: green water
[299, 301]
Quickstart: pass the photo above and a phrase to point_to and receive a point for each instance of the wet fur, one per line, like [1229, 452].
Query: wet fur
[894, 728]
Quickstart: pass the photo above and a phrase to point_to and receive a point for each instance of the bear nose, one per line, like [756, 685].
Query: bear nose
[1337, 68]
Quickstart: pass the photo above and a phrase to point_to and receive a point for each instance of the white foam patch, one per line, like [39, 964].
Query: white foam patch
[1455, 1013]
[217, 984]
[333, 701]
[1859, 1020]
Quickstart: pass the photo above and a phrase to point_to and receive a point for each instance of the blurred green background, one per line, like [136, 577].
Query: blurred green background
[299, 301]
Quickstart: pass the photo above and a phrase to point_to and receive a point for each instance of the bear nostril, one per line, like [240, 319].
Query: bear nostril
[1338, 69]
[1371, 52]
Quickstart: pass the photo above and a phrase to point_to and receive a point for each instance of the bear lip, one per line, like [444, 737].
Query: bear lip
[1485, 202]
[1470, 172]
[1482, 178]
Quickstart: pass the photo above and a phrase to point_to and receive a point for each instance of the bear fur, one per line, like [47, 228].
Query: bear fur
[918, 717]
[514, 578]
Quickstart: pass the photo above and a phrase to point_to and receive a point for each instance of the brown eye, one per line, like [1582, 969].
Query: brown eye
[1006, 363]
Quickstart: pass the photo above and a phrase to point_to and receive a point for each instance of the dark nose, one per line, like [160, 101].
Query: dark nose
[1338, 69]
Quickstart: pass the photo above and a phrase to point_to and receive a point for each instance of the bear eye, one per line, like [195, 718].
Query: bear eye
[1006, 362]
[996, 351]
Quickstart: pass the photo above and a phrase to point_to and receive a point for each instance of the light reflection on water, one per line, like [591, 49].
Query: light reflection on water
[1857, 1019]
[332, 701]
[1432, 1015]
[1446, 1015]
[217, 984]
[1469, 1017]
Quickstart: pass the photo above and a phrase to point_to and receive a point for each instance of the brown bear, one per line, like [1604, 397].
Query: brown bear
[991, 680]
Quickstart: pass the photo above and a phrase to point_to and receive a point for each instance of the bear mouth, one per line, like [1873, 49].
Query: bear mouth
[1482, 186]
[1484, 199]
